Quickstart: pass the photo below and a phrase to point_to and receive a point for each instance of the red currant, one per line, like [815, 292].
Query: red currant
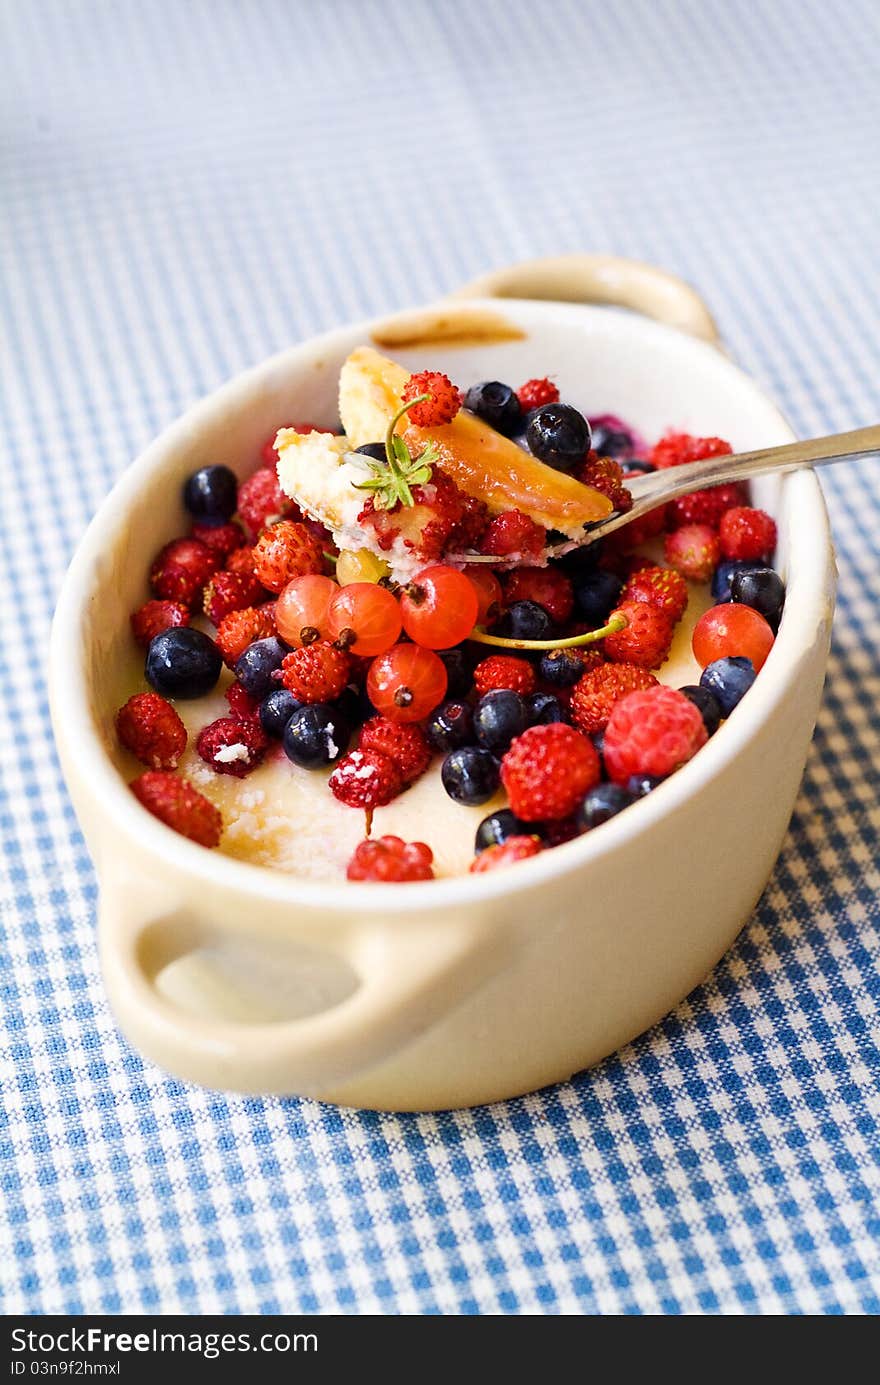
[490, 596]
[301, 609]
[370, 613]
[440, 607]
[729, 630]
[406, 682]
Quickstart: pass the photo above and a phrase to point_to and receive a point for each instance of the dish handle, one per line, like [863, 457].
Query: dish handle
[610, 279]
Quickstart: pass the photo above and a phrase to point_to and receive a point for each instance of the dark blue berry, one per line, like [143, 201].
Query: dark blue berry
[601, 803]
[459, 670]
[729, 679]
[316, 735]
[525, 620]
[470, 775]
[639, 785]
[637, 466]
[598, 739]
[182, 662]
[497, 827]
[211, 494]
[255, 667]
[542, 708]
[355, 706]
[723, 575]
[596, 594]
[376, 450]
[761, 588]
[580, 560]
[450, 726]
[611, 442]
[499, 717]
[559, 436]
[707, 705]
[276, 710]
[497, 405]
[561, 667]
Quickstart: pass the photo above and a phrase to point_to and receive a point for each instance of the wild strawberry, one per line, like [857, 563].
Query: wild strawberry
[677, 448]
[644, 640]
[153, 617]
[443, 405]
[513, 532]
[547, 771]
[222, 539]
[151, 730]
[316, 672]
[606, 475]
[242, 560]
[505, 854]
[705, 506]
[233, 747]
[230, 591]
[242, 707]
[467, 532]
[180, 571]
[403, 742]
[747, 533]
[175, 802]
[261, 501]
[286, 550]
[365, 779]
[239, 629]
[635, 533]
[652, 733]
[694, 551]
[598, 692]
[391, 859]
[441, 517]
[547, 586]
[658, 586]
[504, 671]
[534, 393]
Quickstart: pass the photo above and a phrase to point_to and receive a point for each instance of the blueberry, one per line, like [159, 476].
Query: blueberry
[559, 436]
[499, 717]
[761, 588]
[544, 707]
[470, 775]
[255, 667]
[611, 442]
[376, 450]
[355, 706]
[707, 705]
[723, 577]
[211, 494]
[637, 466]
[580, 561]
[525, 620]
[638, 785]
[182, 662]
[496, 404]
[598, 739]
[497, 827]
[729, 679]
[276, 710]
[561, 667]
[601, 803]
[316, 735]
[450, 726]
[596, 594]
[459, 670]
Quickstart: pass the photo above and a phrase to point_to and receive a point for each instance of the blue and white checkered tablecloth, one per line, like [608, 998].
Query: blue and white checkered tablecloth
[187, 188]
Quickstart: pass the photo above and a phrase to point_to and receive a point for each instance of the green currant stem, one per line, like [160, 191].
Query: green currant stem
[573, 642]
[331, 557]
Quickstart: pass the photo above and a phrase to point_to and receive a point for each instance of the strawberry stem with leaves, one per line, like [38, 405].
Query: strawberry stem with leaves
[392, 479]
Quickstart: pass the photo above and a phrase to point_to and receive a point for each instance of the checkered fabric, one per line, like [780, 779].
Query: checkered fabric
[189, 187]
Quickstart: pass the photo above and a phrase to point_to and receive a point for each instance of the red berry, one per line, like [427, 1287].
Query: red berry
[261, 501]
[230, 591]
[231, 746]
[439, 608]
[677, 448]
[597, 693]
[151, 730]
[729, 630]
[652, 733]
[239, 629]
[443, 405]
[365, 779]
[242, 706]
[388, 859]
[505, 854]
[513, 532]
[241, 560]
[658, 586]
[747, 533]
[175, 802]
[407, 682]
[153, 617]
[547, 771]
[403, 742]
[632, 535]
[317, 672]
[222, 539]
[489, 593]
[534, 393]
[644, 640]
[694, 551]
[365, 618]
[604, 474]
[441, 518]
[180, 571]
[302, 609]
[547, 586]
[504, 671]
[705, 506]
[286, 550]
